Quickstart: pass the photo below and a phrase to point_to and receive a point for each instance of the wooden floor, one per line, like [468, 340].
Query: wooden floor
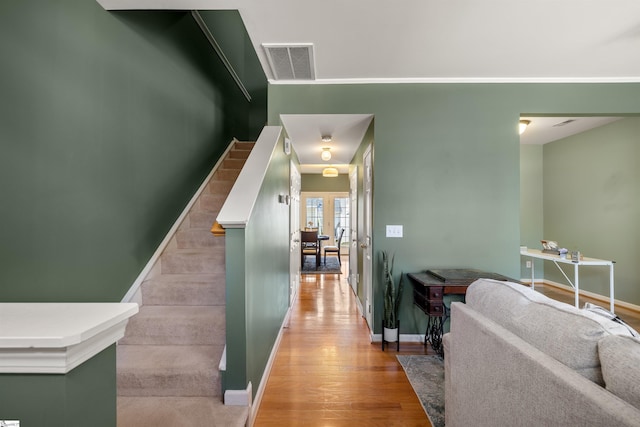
[327, 373]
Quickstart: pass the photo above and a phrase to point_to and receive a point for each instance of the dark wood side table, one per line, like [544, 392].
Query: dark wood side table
[429, 289]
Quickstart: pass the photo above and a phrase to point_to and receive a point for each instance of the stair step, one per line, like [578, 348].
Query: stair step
[177, 325]
[201, 219]
[244, 145]
[148, 370]
[184, 289]
[219, 187]
[210, 202]
[198, 238]
[227, 174]
[233, 163]
[193, 261]
[179, 411]
[239, 154]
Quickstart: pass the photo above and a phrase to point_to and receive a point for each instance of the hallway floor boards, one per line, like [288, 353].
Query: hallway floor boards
[327, 372]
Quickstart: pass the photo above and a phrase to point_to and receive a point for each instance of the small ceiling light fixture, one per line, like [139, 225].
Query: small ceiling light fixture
[523, 125]
[330, 172]
[326, 154]
[326, 138]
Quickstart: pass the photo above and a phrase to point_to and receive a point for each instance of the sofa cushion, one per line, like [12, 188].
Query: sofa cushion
[620, 359]
[566, 333]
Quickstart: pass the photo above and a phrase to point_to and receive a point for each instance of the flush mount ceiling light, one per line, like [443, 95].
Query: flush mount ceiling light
[330, 172]
[523, 125]
[326, 154]
[326, 138]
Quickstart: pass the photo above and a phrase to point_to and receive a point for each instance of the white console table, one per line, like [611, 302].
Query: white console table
[538, 254]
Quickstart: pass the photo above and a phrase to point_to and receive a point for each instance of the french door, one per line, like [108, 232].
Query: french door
[329, 213]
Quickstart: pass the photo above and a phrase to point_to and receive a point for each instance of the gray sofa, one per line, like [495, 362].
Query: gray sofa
[514, 357]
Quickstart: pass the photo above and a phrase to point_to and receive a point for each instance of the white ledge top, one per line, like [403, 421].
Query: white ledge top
[57, 337]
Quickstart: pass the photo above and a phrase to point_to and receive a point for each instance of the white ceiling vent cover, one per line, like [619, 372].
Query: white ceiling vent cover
[291, 61]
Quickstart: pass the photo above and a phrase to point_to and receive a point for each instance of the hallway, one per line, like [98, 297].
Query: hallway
[326, 371]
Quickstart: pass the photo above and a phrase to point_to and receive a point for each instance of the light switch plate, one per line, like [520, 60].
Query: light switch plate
[394, 231]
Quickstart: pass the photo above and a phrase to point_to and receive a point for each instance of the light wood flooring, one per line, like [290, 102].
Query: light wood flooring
[327, 372]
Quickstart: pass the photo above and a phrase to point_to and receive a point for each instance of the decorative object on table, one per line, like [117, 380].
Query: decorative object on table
[426, 375]
[563, 253]
[550, 247]
[392, 297]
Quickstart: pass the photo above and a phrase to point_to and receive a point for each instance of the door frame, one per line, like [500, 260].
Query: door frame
[366, 242]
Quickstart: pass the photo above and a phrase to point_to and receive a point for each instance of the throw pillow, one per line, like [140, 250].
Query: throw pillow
[620, 360]
[601, 311]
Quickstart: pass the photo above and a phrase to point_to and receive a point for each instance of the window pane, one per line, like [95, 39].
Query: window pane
[341, 219]
[314, 213]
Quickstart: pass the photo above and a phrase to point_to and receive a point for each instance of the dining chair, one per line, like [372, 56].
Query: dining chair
[309, 246]
[334, 249]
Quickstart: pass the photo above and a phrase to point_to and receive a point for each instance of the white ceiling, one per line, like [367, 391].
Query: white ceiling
[306, 131]
[386, 41]
[543, 130]
[436, 40]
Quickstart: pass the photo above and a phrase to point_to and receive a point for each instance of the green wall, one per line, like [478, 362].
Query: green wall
[83, 397]
[447, 164]
[592, 204]
[531, 206]
[314, 182]
[258, 279]
[110, 122]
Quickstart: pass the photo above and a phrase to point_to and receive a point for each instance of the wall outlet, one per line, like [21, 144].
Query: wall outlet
[528, 264]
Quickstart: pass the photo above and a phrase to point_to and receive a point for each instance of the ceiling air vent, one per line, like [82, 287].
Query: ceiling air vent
[291, 61]
[566, 122]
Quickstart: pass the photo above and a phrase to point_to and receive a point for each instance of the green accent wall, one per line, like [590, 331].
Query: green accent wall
[447, 165]
[83, 397]
[315, 182]
[257, 262]
[531, 206]
[592, 204]
[109, 123]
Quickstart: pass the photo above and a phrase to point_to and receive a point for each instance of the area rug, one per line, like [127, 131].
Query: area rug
[332, 266]
[426, 375]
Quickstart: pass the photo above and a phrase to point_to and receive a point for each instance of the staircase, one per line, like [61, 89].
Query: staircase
[167, 363]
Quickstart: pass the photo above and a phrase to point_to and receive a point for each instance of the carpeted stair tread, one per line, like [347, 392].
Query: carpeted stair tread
[184, 289]
[218, 187]
[179, 411]
[178, 325]
[209, 202]
[224, 174]
[173, 370]
[193, 261]
[198, 238]
[201, 219]
[233, 163]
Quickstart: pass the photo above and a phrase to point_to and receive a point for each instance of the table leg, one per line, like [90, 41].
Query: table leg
[611, 298]
[433, 335]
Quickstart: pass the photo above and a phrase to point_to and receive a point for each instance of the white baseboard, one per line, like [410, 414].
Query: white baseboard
[601, 298]
[403, 338]
[132, 294]
[239, 397]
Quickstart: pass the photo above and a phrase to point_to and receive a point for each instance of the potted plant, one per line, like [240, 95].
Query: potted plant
[392, 296]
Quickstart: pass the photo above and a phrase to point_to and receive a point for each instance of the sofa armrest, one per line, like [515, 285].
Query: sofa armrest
[496, 378]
